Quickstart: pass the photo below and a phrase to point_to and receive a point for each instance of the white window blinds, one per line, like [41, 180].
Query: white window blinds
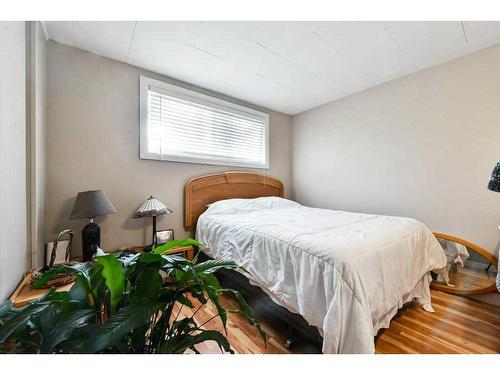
[186, 126]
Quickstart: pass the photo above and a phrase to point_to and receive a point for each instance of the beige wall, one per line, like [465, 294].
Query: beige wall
[421, 146]
[13, 167]
[93, 143]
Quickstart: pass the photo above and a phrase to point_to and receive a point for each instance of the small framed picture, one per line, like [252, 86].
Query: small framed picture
[163, 236]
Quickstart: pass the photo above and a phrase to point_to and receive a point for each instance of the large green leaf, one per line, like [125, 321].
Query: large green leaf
[26, 341]
[98, 337]
[151, 258]
[162, 249]
[245, 310]
[47, 276]
[139, 340]
[80, 290]
[148, 285]
[99, 290]
[112, 272]
[5, 307]
[47, 320]
[71, 269]
[213, 265]
[83, 269]
[21, 318]
[197, 292]
[182, 299]
[64, 327]
[179, 344]
[212, 288]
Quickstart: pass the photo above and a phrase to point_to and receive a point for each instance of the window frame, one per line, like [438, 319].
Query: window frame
[196, 97]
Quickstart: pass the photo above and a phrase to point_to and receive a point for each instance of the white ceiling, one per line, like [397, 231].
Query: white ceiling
[285, 66]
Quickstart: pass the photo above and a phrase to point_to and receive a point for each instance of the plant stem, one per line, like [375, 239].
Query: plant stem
[163, 331]
[213, 317]
[178, 312]
[198, 309]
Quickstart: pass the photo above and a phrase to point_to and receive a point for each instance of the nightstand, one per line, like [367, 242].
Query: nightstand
[24, 294]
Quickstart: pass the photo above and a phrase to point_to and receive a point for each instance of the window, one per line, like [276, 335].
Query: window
[182, 125]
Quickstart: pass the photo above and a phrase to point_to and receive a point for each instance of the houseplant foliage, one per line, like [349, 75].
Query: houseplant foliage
[123, 303]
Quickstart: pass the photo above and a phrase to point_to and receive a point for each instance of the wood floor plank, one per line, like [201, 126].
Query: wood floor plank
[473, 304]
[430, 344]
[467, 339]
[452, 327]
[459, 325]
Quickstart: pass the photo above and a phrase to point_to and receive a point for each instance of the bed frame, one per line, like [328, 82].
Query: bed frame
[204, 190]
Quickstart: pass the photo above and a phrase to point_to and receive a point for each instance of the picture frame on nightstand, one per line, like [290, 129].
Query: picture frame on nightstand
[164, 236]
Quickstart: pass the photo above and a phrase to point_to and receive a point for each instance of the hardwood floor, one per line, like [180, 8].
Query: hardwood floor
[459, 325]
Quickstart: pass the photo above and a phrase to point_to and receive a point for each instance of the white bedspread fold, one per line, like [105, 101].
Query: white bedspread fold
[346, 273]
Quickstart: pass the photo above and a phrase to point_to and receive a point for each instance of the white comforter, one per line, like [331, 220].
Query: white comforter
[345, 273]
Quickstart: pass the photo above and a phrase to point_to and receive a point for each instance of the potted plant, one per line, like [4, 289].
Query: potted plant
[123, 303]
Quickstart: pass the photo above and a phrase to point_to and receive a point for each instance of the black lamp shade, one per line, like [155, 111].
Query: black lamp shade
[494, 184]
[90, 204]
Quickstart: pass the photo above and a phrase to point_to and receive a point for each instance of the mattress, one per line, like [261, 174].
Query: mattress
[346, 273]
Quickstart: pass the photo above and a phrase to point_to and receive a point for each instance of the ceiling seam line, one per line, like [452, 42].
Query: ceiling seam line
[194, 31]
[130, 43]
[44, 30]
[74, 33]
[204, 51]
[465, 33]
[392, 37]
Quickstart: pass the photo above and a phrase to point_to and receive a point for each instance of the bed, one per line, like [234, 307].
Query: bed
[345, 273]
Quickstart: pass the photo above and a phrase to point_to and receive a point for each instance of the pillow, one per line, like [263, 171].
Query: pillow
[274, 202]
[240, 205]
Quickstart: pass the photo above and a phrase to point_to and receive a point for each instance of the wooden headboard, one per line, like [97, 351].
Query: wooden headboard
[204, 190]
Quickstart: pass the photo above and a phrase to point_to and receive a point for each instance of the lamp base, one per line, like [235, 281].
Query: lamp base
[149, 248]
[91, 240]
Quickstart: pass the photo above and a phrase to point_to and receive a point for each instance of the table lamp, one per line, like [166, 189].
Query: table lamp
[152, 207]
[88, 205]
